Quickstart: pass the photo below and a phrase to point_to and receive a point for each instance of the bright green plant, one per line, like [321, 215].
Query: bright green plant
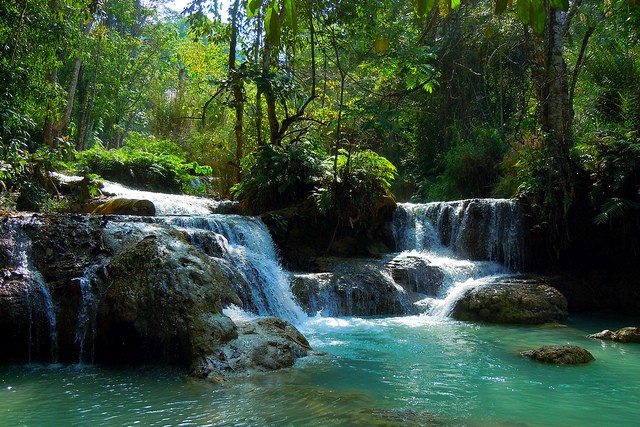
[275, 177]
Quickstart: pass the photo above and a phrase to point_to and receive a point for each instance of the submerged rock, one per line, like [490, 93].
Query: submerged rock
[560, 355]
[262, 345]
[517, 300]
[122, 206]
[628, 334]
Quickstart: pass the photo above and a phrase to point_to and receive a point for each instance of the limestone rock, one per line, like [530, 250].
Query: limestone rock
[628, 334]
[351, 287]
[514, 300]
[560, 355]
[262, 345]
[416, 274]
[163, 301]
[122, 206]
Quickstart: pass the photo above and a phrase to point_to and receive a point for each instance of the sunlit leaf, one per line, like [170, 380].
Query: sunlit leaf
[381, 45]
[522, 10]
[253, 7]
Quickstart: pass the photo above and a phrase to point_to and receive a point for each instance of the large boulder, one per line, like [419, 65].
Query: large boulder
[163, 299]
[559, 355]
[261, 345]
[628, 334]
[351, 287]
[516, 300]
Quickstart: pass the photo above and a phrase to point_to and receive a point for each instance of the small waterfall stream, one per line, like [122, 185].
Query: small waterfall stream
[470, 242]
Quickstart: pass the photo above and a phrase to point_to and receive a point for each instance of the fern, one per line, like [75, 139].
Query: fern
[615, 208]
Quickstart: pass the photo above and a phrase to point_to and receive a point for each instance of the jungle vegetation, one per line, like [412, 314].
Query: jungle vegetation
[279, 102]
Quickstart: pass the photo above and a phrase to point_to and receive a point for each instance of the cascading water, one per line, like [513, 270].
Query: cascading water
[36, 293]
[469, 242]
[170, 204]
[246, 243]
[86, 324]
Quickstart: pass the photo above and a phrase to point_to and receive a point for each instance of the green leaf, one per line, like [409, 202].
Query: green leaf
[420, 7]
[455, 4]
[290, 15]
[560, 4]
[522, 10]
[501, 6]
[537, 16]
[253, 7]
[272, 24]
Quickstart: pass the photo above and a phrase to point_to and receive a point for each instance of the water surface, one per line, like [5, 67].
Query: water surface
[412, 370]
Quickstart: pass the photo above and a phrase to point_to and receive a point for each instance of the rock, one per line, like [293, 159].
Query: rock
[560, 355]
[397, 417]
[416, 274]
[122, 206]
[517, 300]
[351, 287]
[163, 300]
[262, 345]
[628, 334]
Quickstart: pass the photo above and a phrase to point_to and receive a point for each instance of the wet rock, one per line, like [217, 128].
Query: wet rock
[351, 287]
[163, 300]
[261, 345]
[416, 274]
[122, 206]
[560, 355]
[518, 300]
[628, 334]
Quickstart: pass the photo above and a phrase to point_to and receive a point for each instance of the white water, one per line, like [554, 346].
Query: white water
[443, 233]
[86, 325]
[36, 291]
[247, 244]
[166, 204]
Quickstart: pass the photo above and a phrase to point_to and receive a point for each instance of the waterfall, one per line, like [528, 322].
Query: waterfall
[86, 324]
[171, 204]
[477, 229]
[247, 244]
[468, 242]
[36, 293]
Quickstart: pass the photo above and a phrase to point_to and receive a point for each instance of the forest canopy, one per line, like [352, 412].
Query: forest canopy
[288, 101]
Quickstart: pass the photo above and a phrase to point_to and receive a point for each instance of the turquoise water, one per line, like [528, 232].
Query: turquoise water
[411, 370]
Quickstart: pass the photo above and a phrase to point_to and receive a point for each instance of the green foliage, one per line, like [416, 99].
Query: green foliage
[275, 177]
[470, 167]
[362, 180]
[144, 164]
[613, 164]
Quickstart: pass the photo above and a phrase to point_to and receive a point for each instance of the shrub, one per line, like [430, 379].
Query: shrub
[275, 177]
[146, 163]
[362, 179]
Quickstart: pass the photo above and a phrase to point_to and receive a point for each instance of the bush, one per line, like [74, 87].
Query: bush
[362, 180]
[146, 163]
[470, 168]
[275, 177]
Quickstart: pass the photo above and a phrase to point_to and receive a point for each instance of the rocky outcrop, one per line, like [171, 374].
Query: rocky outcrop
[416, 274]
[262, 345]
[162, 301]
[351, 287]
[518, 300]
[560, 355]
[137, 290]
[122, 206]
[628, 334]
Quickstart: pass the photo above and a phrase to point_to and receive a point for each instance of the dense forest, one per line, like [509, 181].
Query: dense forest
[337, 105]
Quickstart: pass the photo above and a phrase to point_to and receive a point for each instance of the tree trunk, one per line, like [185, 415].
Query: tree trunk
[556, 117]
[236, 88]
